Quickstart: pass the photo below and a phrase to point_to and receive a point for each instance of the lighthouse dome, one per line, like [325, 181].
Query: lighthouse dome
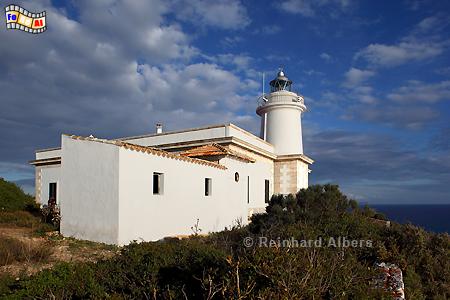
[280, 83]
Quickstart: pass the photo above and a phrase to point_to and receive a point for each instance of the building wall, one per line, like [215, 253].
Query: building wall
[179, 136]
[48, 153]
[263, 168]
[89, 190]
[201, 134]
[281, 122]
[284, 130]
[145, 216]
[302, 175]
[252, 176]
[44, 176]
[290, 176]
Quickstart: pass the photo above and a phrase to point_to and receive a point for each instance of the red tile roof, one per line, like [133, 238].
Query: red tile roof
[214, 150]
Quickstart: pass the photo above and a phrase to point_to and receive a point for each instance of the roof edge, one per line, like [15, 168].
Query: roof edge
[148, 150]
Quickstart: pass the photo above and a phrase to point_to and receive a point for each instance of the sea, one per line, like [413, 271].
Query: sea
[432, 217]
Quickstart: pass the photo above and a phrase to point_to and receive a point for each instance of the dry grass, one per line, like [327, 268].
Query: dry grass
[18, 218]
[14, 251]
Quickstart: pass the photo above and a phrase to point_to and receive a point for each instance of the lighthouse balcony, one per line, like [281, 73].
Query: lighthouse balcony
[279, 99]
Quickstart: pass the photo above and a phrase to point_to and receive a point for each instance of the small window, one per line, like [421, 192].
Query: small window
[266, 190]
[248, 189]
[158, 183]
[52, 191]
[208, 186]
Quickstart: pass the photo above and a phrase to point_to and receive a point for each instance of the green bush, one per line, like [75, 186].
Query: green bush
[220, 267]
[13, 198]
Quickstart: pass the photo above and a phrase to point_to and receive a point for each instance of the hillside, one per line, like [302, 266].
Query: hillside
[28, 245]
[12, 197]
[255, 262]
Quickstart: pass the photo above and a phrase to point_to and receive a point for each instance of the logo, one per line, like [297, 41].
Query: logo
[19, 18]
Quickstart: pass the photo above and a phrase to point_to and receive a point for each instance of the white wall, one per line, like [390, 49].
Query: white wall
[50, 153]
[250, 138]
[281, 122]
[89, 190]
[198, 134]
[284, 130]
[106, 193]
[302, 175]
[48, 174]
[180, 136]
[258, 173]
[144, 216]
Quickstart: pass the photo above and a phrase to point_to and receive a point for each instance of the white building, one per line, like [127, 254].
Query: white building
[158, 185]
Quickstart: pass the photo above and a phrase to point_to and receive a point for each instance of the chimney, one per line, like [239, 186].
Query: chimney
[158, 128]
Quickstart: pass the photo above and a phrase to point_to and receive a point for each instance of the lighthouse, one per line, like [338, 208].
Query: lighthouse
[281, 114]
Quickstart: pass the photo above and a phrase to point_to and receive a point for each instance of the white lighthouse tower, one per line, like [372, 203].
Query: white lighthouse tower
[281, 111]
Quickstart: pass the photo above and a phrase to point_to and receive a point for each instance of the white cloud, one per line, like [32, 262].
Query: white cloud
[422, 43]
[309, 8]
[394, 55]
[302, 7]
[225, 14]
[355, 77]
[417, 91]
[240, 61]
[85, 76]
[231, 41]
[325, 56]
[270, 29]
[312, 72]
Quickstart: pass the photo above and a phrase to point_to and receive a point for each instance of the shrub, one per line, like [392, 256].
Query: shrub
[13, 198]
[220, 267]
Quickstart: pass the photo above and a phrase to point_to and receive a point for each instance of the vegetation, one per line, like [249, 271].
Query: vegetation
[12, 198]
[220, 266]
[13, 250]
[20, 209]
[27, 246]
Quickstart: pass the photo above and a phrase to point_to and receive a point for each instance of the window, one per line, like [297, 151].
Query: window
[266, 190]
[248, 189]
[208, 186]
[52, 191]
[236, 177]
[158, 183]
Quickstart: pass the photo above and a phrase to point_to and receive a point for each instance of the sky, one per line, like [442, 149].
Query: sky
[375, 76]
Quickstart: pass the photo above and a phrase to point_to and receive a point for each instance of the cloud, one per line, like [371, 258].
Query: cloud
[240, 61]
[424, 42]
[85, 76]
[298, 7]
[308, 8]
[410, 117]
[362, 162]
[394, 55]
[363, 94]
[223, 14]
[355, 77]
[417, 91]
[312, 72]
[270, 29]
[325, 56]
[231, 41]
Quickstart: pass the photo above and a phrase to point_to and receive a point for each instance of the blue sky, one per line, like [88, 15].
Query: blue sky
[375, 76]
